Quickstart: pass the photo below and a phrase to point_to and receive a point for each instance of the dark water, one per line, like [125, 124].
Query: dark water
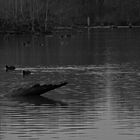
[102, 68]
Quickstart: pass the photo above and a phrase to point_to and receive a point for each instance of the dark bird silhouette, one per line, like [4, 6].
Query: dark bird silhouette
[130, 25]
[26, 43]
[11, 68]
[114, 26]
[62, 36]
[26, 72]
[65, 36]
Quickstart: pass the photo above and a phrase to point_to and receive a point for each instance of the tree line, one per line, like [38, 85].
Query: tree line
[41, 15]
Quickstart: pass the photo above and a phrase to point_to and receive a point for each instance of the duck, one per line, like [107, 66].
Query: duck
[26, 72]
[11, 68]
[114, 26]
[26, 43]
[65, 36]
[62, 36]
[130, 25]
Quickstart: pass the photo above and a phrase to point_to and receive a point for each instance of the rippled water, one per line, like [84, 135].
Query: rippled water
[102, 95]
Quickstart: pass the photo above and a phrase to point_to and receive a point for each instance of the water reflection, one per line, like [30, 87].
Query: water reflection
[125, 105]
[102, 69]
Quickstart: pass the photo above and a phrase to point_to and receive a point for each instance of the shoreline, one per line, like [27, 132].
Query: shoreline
[50, 32]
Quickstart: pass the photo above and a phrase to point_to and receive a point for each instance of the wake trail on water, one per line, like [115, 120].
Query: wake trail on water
[88, 70]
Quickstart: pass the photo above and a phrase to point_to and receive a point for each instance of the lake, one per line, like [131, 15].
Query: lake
[102, 68]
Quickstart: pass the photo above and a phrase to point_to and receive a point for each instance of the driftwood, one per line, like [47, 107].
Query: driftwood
[36, 90]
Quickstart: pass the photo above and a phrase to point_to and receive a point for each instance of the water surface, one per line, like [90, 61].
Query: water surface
[103, 74]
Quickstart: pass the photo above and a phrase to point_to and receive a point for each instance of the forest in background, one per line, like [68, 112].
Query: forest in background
[43, 15]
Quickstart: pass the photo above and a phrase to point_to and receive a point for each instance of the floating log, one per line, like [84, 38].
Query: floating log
[36, 90]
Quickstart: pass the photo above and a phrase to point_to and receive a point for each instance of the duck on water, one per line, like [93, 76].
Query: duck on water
[26, 73]
[10, 68]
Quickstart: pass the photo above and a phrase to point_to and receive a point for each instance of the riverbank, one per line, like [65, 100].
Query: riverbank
[69, 28]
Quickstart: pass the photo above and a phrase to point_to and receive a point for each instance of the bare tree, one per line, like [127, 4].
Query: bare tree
[21, 8]
[46, 14]
[32, 14]
[16, 10]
